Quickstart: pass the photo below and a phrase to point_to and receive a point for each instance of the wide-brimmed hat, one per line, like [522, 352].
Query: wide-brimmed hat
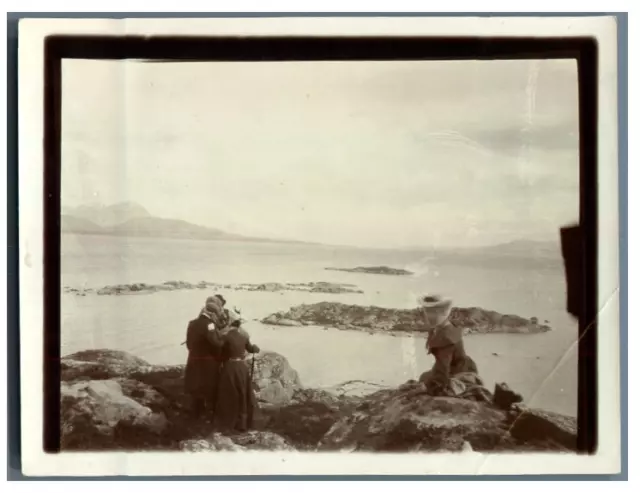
[435, 304]
[221, 298]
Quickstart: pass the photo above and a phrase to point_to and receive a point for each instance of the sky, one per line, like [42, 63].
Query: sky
[376, 154]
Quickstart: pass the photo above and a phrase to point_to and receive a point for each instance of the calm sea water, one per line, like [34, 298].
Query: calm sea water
[542, 367]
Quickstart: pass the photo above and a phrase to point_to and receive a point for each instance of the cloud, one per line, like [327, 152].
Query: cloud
[356, 153]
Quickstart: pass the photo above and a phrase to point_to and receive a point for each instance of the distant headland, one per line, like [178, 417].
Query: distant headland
[130, 219]
[384, 270]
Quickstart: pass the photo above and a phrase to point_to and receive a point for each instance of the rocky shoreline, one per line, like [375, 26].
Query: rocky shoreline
[382, 270]
[145, 288]
[375, 319]
[111, 400]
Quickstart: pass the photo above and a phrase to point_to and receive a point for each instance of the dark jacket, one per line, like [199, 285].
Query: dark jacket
[237, 344]
[203, 363]
[444, 335]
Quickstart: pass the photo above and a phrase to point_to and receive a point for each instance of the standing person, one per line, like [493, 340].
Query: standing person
[236, 400]
[444, 342]
[204, 360]
[222, 300]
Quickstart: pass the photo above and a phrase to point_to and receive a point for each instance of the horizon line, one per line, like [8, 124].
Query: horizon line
[244, 237]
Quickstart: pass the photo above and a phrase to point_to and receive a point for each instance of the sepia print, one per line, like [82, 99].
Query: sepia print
[318, 256]
[357, 255]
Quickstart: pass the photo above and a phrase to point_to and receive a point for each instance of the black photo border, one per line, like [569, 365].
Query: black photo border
[319, 48]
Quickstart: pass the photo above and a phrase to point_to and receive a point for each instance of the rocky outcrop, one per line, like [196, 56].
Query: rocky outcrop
[355, 388]
[101, 364]
[275, 381]
[144, 288]
[252, 440]
[409, 419]
[95, 413]
[111, 400]
[383, 270]
[375, 319]
[310, 414]
[543, 427]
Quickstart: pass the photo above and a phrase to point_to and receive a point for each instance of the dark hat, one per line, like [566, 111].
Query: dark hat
[213, 304]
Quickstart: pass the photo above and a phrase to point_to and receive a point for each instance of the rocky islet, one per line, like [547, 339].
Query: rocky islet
[372, 319]
[270, 287]
[380, 270]
[376, 319]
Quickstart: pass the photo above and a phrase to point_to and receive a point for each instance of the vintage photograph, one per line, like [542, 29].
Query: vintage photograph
[322, 256]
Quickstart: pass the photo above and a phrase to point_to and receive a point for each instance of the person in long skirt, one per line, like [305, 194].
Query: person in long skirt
[205, 357]
[236, 401]
[445, 342]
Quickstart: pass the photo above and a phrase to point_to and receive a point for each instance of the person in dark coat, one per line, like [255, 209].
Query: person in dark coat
[236, 401]
[205, 359]
[445, 342]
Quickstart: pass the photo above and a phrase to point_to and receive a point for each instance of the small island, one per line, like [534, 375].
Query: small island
[271, 287]
[382, 270]
[374, 319]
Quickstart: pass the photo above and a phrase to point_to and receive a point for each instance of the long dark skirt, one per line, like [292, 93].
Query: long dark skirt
[201, 382]
[236, 402]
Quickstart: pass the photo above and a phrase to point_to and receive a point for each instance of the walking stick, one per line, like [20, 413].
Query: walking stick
[250, 395]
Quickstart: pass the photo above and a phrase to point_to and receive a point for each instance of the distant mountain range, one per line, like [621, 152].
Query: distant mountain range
[531, 251]
[132, 220]
[105, 216]
[518, 248]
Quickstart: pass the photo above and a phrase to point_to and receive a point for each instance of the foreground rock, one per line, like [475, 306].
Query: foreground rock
[144, 288]
[355, 388]
[253, 440]
[383, 270]
[98, 412]
[537, 426]
[308, 417]
[389, 320]
[275, 382]
[409, 419]
[111, 400]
